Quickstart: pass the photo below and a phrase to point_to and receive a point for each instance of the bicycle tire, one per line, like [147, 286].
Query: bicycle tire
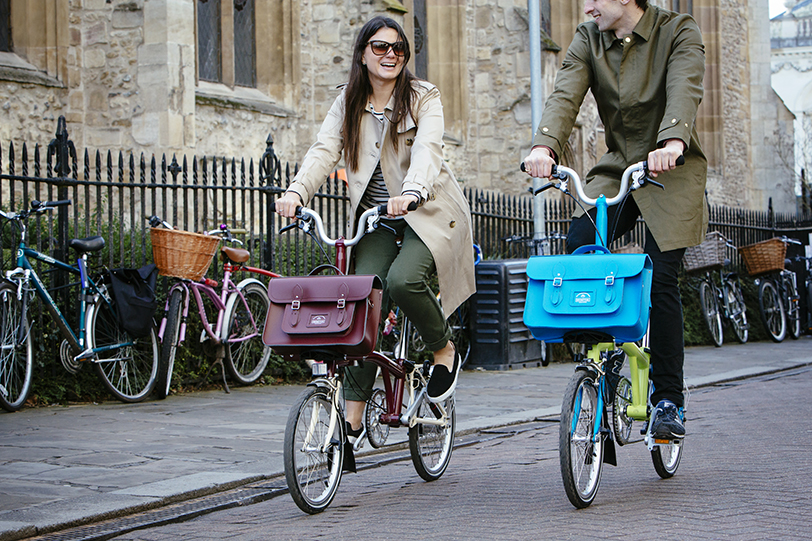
[709, 303]
[772, 311]
[169, 345]
[622, 423]
[246, 359]
[313, 470]
[458, 321]
[16, 360]
[431, 445]
[738, 311]
[377, 432]
[666, 458]
[129, 367]
[581, 459]
[793, 308]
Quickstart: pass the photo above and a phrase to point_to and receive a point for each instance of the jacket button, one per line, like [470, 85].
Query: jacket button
[452, 224]
[377, 144]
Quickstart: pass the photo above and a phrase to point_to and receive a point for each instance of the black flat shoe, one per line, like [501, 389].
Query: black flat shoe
[442, 382]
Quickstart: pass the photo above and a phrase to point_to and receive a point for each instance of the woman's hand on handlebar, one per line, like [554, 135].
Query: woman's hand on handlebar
[539, 163]
[665, 158]
[287, 204]
[399, 205]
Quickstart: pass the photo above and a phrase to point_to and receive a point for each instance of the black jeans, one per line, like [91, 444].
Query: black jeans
[666, 336]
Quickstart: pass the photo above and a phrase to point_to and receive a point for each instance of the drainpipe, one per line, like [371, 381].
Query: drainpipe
[536, 103]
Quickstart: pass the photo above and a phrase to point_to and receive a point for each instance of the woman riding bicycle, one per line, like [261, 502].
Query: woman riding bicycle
[388, 126]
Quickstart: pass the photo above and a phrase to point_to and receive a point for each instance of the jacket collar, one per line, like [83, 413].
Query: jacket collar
[643, 29]
[405, 125]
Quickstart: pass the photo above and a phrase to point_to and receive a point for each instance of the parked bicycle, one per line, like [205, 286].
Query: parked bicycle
[232, 318]
[315, 432]
[127, 366]
[601, 300]
[721, 299]
[807, 291]
[778, 299]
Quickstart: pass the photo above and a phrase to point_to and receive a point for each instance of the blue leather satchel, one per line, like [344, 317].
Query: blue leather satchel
[599, 293]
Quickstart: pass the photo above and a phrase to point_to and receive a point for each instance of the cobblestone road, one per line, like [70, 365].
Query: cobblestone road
[745, 474]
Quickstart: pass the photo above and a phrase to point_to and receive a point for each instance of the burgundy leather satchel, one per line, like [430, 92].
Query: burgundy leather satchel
[336, 313]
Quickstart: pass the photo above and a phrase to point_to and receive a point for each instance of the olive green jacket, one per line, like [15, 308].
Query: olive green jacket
[648, 87]
[443, 222]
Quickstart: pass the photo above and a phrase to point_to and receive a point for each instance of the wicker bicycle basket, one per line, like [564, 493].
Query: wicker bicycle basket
[182, 254]
[765, 256]
[708, 254]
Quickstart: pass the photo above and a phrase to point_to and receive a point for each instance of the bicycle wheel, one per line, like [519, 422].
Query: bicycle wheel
[793, 308]
[460, 332]
[377, 433]
[16, 355]
[169, 345]
[246, 359]
[710, 312]
[772, 311]
[738, 311]
[580, 449]
[128, 366]
[666, 458]
[622, 423]
[431, 444]
[313, 456]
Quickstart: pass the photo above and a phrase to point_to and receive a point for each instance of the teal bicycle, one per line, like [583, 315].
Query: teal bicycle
[127, 366]
[606, 308]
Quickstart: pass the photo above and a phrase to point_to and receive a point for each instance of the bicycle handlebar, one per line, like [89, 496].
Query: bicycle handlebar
[564, 174]
[36, 207]
[308, 217]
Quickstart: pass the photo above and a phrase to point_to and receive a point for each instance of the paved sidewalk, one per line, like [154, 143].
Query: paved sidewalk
[66, 466]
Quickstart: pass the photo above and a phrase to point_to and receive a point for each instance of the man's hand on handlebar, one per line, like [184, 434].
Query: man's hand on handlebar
[539, 163]
[665, 158]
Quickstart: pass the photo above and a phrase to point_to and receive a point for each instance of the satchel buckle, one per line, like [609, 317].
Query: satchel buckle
[557, 281]
[294, 305]
[610, 280]
[341, 302]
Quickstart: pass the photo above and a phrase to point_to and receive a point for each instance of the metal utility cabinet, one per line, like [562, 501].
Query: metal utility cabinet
[499, 339]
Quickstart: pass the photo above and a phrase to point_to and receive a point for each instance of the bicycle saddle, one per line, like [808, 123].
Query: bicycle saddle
[89, 244]
[236, 255]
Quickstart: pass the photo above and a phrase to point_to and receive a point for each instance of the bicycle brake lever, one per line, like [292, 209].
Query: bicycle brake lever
[388, 228]
[288, 227]
[650, 181]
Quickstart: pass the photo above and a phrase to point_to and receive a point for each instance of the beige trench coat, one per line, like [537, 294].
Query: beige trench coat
[443, 222]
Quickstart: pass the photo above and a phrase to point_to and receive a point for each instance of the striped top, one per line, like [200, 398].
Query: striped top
[377, 193]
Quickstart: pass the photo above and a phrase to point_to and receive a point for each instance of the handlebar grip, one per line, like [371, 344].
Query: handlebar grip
[238, 231]
[382, 209]
[523, 168]
[681, 160]
[60, 203]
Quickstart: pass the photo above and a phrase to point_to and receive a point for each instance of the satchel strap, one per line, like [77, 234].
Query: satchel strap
[343, 291]
[295, 305]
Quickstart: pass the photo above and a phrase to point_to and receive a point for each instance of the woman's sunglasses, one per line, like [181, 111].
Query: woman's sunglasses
[380, 48]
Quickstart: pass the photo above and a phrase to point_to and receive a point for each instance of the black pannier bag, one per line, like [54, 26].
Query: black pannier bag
[134, 301]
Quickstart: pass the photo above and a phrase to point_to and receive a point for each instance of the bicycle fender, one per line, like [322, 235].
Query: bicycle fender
[247, 281]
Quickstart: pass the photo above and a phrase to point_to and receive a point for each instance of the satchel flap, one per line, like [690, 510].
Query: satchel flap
[317, 289]
[584, 284]
[586, 266]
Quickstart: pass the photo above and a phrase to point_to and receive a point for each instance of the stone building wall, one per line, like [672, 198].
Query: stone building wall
[126, 80]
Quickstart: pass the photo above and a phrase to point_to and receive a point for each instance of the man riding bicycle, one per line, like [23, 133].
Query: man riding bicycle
[644, 66]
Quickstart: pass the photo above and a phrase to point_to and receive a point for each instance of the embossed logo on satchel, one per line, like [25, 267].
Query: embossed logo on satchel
[318, 320]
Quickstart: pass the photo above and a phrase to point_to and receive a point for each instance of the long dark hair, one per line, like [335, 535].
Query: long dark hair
[359, 90]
